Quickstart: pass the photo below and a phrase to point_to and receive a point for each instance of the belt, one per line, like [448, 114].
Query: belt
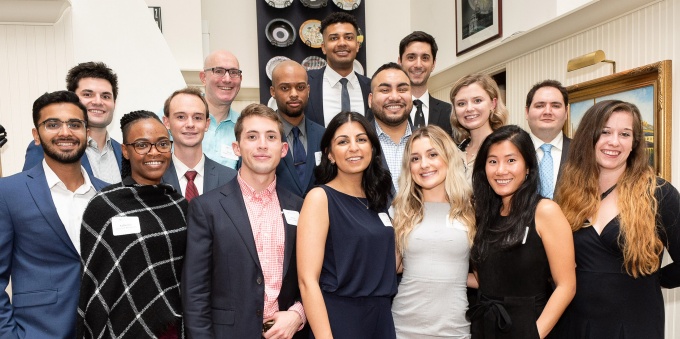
[493, 313]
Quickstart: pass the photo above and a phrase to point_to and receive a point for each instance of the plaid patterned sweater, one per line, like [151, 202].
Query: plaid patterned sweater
[130, 283]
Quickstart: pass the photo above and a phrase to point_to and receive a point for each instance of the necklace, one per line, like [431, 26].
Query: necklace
[359, 200]
[606, 193]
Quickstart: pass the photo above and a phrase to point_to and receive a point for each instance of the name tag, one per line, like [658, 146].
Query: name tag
[228, 152]
[125, 225]
[317, 158]
[291, 217]
[385, 219]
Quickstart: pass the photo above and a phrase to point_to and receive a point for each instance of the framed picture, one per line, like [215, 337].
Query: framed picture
[649, 88]
[477, 22]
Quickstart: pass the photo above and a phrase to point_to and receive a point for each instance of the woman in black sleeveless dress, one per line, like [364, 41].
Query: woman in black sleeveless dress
[522, 244]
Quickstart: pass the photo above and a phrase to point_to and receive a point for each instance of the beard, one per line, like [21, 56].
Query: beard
[63, 157]
[289, 113]
[392, 120]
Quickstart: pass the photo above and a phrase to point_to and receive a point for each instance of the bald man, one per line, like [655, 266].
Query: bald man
[291, 92]
[222, 79]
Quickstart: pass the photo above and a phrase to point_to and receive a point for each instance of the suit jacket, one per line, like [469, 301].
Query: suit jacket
[222, 280]
[35, 155]
[563, 159]
[38, 254]
[214, 176]
[440, 114]
[314, 109]
[286, 174]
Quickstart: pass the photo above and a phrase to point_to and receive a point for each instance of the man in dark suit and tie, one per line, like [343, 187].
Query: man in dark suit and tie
[418, 56]
[191, 172]
[40, 218]
[240, 276]
[546, 113]
[291, 92]
[337, 87]
[97, 87]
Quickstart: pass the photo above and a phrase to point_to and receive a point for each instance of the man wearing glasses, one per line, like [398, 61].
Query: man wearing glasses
[222, 79]
[40, 216]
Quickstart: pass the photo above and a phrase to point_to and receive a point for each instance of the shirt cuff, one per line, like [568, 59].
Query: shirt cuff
[297, 307]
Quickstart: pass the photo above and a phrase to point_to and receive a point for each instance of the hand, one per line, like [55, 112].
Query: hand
[286, 323]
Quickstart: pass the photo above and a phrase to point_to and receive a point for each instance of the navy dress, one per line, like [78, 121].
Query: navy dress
[358, 277]
[609, 303]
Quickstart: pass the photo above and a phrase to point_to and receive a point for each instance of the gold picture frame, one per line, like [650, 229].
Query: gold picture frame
[649, 87]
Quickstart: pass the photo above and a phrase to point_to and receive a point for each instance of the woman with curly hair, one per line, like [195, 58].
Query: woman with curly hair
[622, 216]
[478, 110]
[434, 227]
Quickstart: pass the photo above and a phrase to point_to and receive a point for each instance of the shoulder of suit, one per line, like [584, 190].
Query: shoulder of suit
[437, 101]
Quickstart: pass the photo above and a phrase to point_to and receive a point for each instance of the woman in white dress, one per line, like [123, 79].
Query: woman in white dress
[433, 225]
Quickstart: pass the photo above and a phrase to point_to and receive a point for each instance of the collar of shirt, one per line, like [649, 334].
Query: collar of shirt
[288, 127]
[93, 144]
[383, 135]
[181, 168]
[557, 142]
[425, 98]
[249, 192]
[53, 180]
[232, 116]
[333, 78]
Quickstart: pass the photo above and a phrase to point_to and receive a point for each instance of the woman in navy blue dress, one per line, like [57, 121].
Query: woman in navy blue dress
[345, 240]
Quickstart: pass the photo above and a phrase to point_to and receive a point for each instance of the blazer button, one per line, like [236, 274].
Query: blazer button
[259, 280]
[258, 313]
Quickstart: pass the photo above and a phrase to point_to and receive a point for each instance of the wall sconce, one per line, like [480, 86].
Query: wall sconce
[589, 60]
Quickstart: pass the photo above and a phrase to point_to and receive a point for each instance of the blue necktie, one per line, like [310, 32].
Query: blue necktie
[546, 172]
[299, 154]
[344, 97]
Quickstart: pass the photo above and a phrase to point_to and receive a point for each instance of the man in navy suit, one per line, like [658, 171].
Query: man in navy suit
[40, 214]
[291, 92]
[418, 56]
[190, 171]
[546, 113]
[97, 87]
[240, 276]
[337, 87]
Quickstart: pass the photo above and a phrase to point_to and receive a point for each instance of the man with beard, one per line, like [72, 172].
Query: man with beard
[337, 87]
[40, 216]
[418, 56]
[185, 115]
[390, 102]
[97, 87]
[291, 92]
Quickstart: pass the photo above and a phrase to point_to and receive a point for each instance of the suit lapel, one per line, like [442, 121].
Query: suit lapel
[313, 141]
[210, 179]
[316, 100]
[290, 167]
[118, 152]
[235, 209]
[170, 177]
[285, 202]
[37, 186]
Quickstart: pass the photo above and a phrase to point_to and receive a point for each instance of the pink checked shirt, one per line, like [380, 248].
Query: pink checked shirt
[266, 221]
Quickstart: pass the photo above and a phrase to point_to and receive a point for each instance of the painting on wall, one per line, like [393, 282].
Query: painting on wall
[477, 22]
[649, 88]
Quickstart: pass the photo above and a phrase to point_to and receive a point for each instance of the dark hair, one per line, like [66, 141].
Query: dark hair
[56, 98]
[376, 181]
[260, 111]
[339, 18]
[126, 123]
[91, 69]
[418, 36]
[389, 65]
[491, 232]
[189, 91]
[547, 83]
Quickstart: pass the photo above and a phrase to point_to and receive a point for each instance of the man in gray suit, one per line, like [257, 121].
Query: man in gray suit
[418, 56]
[191, 172]
[546, 113]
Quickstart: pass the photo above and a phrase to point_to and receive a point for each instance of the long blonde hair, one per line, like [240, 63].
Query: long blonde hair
[578, 189]
[498, 116]
[409, 205]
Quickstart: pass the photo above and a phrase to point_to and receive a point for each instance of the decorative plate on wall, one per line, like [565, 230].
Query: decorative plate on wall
[279, 3]
[280, 32]
[313, 62]
[272, 63]
[347, 5]
[310, 34]
[314, 3]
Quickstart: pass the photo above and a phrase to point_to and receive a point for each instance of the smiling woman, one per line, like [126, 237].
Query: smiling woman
[132, 243]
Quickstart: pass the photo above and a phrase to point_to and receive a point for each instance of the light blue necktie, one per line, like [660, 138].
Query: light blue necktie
[546, 171]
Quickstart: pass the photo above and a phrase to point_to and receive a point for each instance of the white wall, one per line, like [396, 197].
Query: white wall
[181, 20]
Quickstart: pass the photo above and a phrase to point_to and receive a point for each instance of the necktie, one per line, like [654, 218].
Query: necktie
[344, 98]
[420, 117]
[299, 154]
[546, 172]
[191, 191]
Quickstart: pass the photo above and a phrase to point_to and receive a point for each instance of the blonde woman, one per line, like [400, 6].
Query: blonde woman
[478, 110]
[622, 216]
[434, 225]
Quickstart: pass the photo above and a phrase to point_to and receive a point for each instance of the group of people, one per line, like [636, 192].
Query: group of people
[359, 208]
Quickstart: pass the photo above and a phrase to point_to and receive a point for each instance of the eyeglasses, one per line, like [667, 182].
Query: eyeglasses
[221, 71]
[144, 147]
[55, 125]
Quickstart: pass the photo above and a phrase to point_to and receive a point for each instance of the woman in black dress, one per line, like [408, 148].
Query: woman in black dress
[522, 244]
[622, 216]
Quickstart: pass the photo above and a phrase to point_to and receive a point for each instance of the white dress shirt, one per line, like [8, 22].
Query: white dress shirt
[425, 98]
[332, 93]
[181, 168]
[555, 152]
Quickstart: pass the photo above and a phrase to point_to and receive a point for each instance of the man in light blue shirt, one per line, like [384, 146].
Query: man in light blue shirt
[222, 79]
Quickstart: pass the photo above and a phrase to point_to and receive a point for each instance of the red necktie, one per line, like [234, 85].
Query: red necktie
[191, 190]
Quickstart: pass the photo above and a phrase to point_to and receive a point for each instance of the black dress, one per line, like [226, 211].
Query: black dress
[514, 286]
[609, 303]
